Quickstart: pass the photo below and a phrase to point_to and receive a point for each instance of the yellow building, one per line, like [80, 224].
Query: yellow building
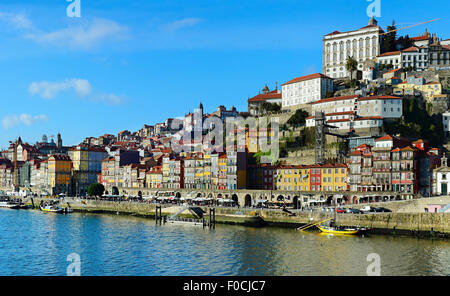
[292, 178]
[334, 177]
[59, 173]
[199, 172]
[80, 162]
[328, 177]
[153, 177]
[222, 178]
[207, 170]
[431, 89]
[415, 85]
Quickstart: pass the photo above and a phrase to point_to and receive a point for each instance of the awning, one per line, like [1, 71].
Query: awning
[225, 200]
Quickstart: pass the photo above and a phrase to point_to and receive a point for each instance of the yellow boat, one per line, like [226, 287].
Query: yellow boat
[345, 231]
[51, 209]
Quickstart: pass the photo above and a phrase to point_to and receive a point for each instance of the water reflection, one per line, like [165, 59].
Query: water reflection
[34, 243]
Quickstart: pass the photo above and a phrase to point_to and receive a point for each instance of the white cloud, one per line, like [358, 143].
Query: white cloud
[17, 20]
[81, 87]
[187, 22]
[83, 36]
[49, 90]
[26, 119]
[111, 99]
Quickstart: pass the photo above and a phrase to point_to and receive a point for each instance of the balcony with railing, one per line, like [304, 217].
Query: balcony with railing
[378, 170]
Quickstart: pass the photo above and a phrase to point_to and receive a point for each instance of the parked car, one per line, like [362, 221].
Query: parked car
[340, 210]
[353, 211]
[366, 209]
[381, 209]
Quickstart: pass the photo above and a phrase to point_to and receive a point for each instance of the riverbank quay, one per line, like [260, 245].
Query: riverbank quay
[394, 223]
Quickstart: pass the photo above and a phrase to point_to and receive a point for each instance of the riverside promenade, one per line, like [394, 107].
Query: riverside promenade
[407, 217]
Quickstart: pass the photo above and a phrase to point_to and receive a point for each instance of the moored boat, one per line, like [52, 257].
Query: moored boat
[51, 209]
[8, 204]
[342, 230]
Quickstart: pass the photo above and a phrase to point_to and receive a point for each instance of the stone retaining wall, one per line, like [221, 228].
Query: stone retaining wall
[421, 224]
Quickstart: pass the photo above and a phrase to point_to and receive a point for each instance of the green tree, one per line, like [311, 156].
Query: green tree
[417, 122]
[389, 39]
[96, 189]
[404, 42]
[351, 65]
[299, 118]
[270, 107]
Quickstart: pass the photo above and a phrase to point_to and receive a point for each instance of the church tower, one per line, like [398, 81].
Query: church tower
[59, 141]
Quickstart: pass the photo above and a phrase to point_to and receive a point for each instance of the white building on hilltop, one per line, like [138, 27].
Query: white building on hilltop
[362, 44]
[305, 90]
[354, 112]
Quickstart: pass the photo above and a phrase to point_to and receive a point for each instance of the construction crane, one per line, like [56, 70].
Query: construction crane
[407, 27]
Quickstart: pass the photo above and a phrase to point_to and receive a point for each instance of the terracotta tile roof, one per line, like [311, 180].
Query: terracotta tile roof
[356, 153]
[369, 118]
[419, 38]
[307, 77]
[263, 97]
[340, 113]
[333, 33]
[411, 49]
[365, 27]
[389, 53]
[384, 138]
[363, 146]
[338, 120]
[408, 148]
[392, 71]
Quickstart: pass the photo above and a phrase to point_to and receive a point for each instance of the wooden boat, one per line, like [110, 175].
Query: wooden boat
[342, 230]
[51, 209]
[8, 204]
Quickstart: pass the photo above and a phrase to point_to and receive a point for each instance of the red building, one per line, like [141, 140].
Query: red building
[315, 179]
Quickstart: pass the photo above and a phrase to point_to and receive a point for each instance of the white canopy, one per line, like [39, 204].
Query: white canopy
[225, 200]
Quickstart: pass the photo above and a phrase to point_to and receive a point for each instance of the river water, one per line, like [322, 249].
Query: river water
[36, 243]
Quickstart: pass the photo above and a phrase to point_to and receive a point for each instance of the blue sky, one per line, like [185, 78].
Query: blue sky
[126, 63]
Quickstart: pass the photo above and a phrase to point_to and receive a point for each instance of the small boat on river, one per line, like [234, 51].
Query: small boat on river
[53, 207]
[342, 230]
[9, 204]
